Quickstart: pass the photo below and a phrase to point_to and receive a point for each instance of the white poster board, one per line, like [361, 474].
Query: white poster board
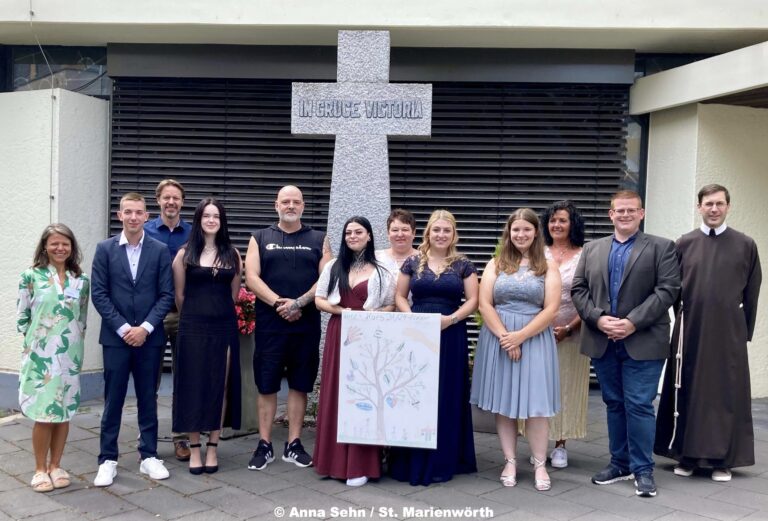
[388, 379]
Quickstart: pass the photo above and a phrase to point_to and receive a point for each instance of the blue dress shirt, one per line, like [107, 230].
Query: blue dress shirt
[617, 260]
[174, 239]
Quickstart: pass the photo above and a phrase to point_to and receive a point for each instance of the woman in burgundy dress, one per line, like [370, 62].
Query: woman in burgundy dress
[352, 281]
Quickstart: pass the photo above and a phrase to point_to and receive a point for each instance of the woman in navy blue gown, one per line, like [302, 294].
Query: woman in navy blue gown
[439, 278]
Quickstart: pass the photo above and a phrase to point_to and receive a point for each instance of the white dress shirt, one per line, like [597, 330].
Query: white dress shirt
[134, 254]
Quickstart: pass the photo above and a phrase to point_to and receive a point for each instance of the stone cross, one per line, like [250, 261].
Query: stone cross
[361, 110]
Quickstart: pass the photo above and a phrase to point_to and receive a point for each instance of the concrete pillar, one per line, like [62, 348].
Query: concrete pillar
[53, 168]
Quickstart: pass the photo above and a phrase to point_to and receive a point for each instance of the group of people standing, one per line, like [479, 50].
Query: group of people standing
[546, 299]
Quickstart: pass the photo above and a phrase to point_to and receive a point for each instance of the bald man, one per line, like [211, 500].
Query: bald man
[281, 267]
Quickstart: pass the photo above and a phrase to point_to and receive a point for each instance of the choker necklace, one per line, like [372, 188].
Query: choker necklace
[358, 264]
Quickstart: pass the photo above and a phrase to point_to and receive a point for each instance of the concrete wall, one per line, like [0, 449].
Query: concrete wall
[732, 151]
[53, 167]
[671, 187]
[694, 145]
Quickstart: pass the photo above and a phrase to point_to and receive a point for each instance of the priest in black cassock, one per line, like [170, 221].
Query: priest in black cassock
[707, 376]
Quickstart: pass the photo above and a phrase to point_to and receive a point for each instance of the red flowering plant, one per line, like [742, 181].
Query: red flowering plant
[246, 311]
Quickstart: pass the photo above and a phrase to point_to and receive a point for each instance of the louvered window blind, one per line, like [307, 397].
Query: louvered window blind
[495, 147]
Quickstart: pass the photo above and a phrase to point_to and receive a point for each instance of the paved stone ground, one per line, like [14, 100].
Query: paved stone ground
[236, 493]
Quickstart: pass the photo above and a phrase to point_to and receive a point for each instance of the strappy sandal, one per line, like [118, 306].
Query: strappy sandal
[210, 469]
[542, 485]
[41, 482]
[60, 478]
[195, 470]
[509, 481]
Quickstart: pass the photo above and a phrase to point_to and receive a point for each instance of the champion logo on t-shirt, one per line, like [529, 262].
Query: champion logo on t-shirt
[275, 246]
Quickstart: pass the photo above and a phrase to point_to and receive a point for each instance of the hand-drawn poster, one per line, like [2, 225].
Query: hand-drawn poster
[388, 379]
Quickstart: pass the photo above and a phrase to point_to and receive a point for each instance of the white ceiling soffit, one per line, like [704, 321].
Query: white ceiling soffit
[640, 40]
[683, 26]
[730, 73]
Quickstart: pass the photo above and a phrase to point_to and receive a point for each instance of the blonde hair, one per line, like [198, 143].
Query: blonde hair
[509, 257]
[133, 196]
[424, 249]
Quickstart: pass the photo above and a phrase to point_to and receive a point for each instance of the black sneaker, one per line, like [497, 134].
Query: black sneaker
[262, 456]
[645, 486]
[611, 474]
[295, 453]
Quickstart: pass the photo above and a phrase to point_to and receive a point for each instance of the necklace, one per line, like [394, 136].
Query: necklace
[440, 265]
[209, 249]
[560, 254]
[358, 264]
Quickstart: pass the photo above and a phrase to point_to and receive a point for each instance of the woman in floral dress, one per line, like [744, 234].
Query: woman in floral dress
[51, 313]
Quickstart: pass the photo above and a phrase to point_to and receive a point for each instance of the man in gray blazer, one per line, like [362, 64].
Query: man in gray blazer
[623, 288]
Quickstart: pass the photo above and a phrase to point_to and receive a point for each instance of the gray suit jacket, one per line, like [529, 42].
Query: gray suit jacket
[650, 285]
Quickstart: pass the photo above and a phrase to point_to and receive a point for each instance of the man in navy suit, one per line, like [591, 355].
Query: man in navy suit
[132, 289]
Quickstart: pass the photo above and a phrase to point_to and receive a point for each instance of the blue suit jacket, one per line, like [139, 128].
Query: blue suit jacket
[119, 300]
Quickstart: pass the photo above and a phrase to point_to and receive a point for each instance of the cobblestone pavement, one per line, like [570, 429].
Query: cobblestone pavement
[284, 489]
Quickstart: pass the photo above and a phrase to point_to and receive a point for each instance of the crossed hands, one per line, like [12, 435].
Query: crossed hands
[136, 336]
[615, 328]
[512, 342]
[287, 311]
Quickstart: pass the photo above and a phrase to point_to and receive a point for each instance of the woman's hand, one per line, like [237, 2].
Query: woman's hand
[560, 333]
[512, 338]
[445, 322]
[515, 353]
[511, 342]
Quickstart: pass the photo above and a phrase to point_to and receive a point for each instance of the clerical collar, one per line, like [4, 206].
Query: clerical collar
[705, 229]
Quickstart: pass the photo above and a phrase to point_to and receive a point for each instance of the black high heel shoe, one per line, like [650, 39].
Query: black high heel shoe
[210, 469]
[195, 470]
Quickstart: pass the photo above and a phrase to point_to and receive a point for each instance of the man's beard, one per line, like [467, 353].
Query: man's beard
[289, 218]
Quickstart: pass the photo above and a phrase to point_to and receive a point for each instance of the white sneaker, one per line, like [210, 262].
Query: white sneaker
[106, 474]
[154, 468]
[357, 482]
[721, 475]
[559, 457]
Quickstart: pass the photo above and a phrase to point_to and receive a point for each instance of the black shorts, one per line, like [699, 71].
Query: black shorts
[294, 355]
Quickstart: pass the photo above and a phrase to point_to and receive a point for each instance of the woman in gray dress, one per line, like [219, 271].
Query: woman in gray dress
[516, 371]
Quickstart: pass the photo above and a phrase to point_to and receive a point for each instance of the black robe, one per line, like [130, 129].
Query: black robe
[721, 281]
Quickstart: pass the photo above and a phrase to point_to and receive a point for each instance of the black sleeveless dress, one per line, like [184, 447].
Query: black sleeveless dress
[207, 331]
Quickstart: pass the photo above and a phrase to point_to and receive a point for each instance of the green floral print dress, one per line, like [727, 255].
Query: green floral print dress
[52, 318]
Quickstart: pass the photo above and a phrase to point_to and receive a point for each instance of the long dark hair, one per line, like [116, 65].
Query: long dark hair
[340, 269]
[40, 260]
[226, 256]
[576, 231]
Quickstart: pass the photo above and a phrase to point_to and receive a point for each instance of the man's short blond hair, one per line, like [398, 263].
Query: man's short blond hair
[626, 194]
[133, 196]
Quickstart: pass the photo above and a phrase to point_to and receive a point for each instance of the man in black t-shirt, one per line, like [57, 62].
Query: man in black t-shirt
[281, 267]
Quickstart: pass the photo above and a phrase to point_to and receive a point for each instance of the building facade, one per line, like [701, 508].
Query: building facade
[531, 104]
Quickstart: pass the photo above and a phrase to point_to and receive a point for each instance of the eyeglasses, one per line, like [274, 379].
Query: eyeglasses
[712, 204]
[626, 211]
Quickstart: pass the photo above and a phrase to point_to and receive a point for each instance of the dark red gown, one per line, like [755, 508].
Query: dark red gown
[340, 460]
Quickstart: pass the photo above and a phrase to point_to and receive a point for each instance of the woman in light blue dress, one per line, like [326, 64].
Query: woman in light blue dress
[516, 373]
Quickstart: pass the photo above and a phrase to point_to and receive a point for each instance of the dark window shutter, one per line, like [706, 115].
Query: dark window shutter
[494, 148]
